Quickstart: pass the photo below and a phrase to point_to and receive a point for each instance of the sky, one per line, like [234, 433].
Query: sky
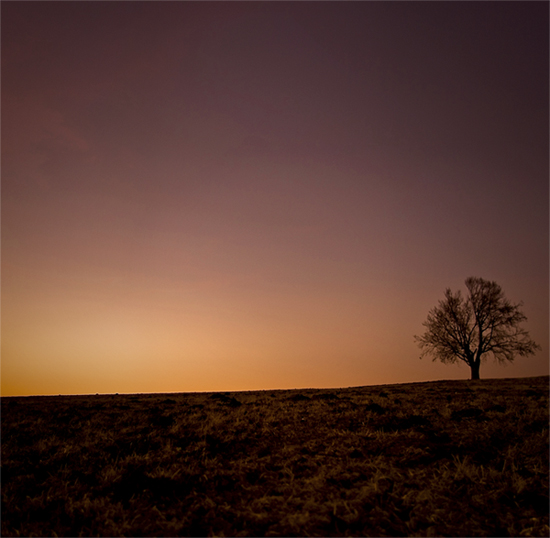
[226, 196]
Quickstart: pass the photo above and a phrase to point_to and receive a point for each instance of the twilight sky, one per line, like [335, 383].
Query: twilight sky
[257, 195]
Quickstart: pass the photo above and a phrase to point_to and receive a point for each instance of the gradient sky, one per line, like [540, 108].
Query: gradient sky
[233, 196]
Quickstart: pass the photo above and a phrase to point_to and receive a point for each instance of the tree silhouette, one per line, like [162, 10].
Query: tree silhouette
[468, 329]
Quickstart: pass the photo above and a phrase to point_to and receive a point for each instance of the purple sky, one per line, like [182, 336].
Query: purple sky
[232, 196]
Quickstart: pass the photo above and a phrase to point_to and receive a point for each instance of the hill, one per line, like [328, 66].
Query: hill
[456, 458]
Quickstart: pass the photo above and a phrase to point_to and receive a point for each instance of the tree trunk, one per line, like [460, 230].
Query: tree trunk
[475, 369]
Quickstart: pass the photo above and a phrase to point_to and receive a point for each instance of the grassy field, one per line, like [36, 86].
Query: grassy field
[447, 458]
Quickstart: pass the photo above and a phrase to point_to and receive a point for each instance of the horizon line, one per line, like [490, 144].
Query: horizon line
[268, 390]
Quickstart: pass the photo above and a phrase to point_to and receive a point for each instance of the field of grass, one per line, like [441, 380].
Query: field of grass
[447, 458]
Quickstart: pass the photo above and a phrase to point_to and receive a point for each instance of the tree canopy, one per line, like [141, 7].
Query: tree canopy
[472, 328]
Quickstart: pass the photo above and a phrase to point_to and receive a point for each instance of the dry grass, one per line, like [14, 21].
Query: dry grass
[449, 458]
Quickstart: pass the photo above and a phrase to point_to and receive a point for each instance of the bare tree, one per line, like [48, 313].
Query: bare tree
[468, 329]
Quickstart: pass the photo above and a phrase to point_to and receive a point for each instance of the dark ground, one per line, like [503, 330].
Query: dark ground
[447, 458]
